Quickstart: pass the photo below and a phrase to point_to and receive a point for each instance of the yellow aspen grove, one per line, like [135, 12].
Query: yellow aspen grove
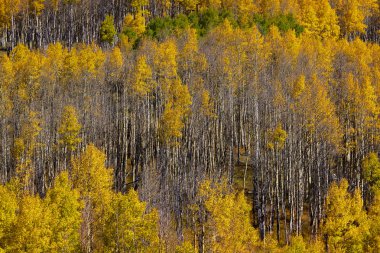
[175, 113]
[189, 126]
[243, 9]
[207, 107]
[8, 9]
[353, 15]
[297, 245]
[277, 138]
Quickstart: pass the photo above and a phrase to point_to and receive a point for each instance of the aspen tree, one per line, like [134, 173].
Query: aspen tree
[189, 5]
[319, 19]
[134, 25]
[371, 169]
[37, 6]
[131, 227]
[114, 64]
[7, 75]
[373, 242]
[8, 208]
[108, 30]
[143, 83]
[64, 205]
[54, 63]
[30, 231]
[69, 129]
[346, 224]
[94, 182]
[229, 220]
[24, 148]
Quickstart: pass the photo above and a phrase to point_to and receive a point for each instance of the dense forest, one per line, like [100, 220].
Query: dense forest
[189, 126]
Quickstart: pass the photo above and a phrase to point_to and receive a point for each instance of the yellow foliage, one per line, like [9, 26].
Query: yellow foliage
[319, 19]
[207, 107]
[346, 225]
[180, 97]
[91, 176]
[371, 171]
[69, 129]
[37, 6]
[131, 228]
[94, 182]
[165, 61]
[6, 77]
[191, 62]
[319, 112]
[54, 63]
[65, 208]
[142, 81]
[270, 7]
[115, 63]
[373, 242]
[90, 60]
[171, 123]
[139, 4]
[316, 246]
[228, 228]
[189, 5]
[277, 138]
[8, 8]
[185, 247]
[135, 24]
[71, 66]
[28, 66]
[297, 245]
[24, 147]
[8, 207]
[352, 14]
[176, 110]
[30, 231]
[6, 72]
[299, 87]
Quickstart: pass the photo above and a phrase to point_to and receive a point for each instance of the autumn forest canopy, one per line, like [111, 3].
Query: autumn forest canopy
[185, 126]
